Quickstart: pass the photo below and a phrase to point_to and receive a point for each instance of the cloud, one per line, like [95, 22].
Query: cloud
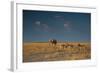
[38, 23]
[41, 26]
[58, 16]
[45, 26]
[67, 26]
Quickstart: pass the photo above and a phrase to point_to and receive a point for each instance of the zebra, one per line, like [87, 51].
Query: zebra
[52, 42]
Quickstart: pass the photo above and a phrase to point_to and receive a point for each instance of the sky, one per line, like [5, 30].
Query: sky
[40, 26]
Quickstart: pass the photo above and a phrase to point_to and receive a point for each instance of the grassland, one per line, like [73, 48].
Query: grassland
[35, 52]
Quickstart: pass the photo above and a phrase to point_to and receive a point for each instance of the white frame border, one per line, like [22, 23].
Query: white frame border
[16, 64]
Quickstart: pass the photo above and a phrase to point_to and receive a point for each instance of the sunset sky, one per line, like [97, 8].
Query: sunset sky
[65, 26]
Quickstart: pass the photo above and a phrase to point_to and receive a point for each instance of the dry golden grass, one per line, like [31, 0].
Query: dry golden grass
[35, 52]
